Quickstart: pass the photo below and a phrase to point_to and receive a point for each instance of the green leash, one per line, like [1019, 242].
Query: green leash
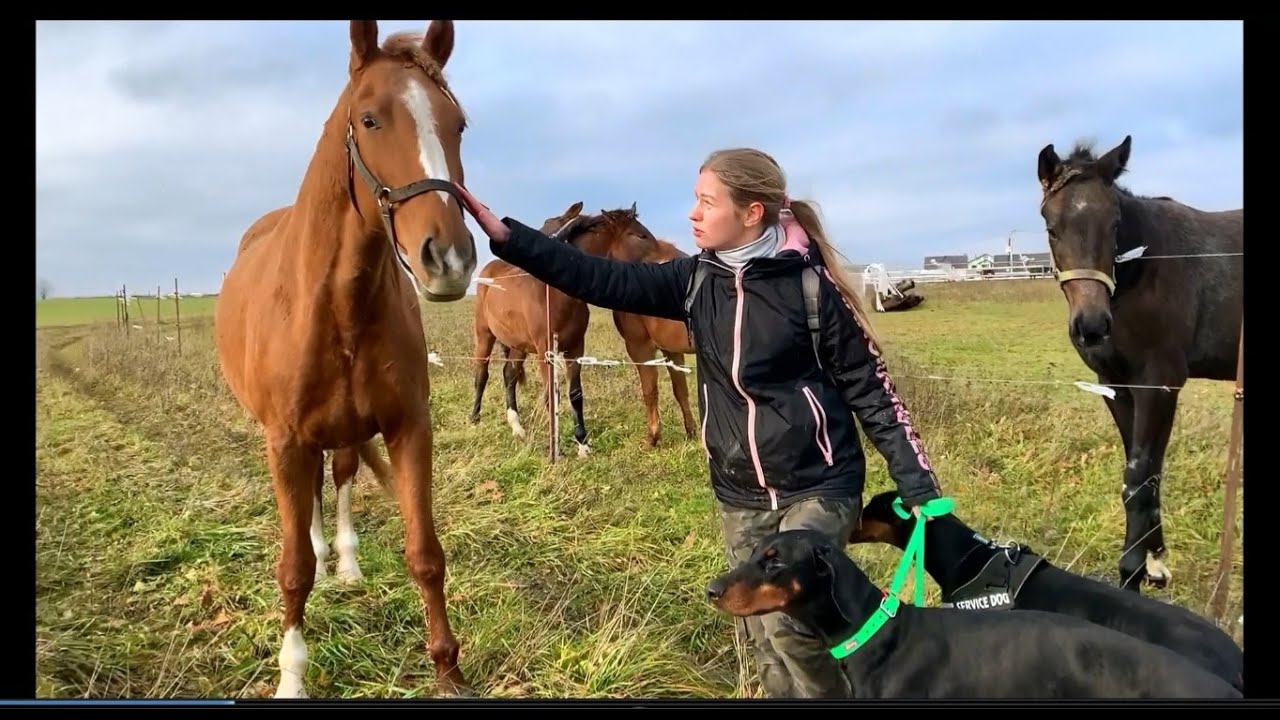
[914, 554]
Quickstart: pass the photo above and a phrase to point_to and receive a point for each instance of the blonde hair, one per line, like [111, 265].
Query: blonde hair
[754, 176]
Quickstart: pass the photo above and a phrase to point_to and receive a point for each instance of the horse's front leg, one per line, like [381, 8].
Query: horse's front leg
[410, 450]
[1144, 548]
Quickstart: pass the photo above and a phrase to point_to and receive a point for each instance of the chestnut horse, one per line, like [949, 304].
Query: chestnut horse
[318, 330]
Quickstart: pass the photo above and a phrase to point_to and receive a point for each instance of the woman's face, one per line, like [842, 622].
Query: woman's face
[717, 223]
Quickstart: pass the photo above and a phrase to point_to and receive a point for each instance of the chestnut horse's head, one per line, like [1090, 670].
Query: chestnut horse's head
[404, 137]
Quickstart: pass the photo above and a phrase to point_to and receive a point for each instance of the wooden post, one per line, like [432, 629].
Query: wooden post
[159, 330]
[1219, 601]
[553, 399]
[118, 301]
[177, 313]
[124, 292]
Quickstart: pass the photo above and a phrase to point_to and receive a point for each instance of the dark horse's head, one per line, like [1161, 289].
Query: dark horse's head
[1081, 211]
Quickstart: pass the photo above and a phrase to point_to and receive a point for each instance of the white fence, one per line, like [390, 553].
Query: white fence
[951, 274]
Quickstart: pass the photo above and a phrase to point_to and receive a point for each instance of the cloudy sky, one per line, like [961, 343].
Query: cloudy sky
[158, 143]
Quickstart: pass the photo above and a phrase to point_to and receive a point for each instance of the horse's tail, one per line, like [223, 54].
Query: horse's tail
[381, 469]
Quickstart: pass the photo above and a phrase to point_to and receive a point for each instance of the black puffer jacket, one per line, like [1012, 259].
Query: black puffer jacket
[776, 425]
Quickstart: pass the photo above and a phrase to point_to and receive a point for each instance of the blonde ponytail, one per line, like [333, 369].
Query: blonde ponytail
[835, 262]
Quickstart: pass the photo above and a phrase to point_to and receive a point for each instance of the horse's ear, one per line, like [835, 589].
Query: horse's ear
[574, 210]
[364, 42]
[1113, 164]
[438, 41]
[1047, 165]
[633, 207]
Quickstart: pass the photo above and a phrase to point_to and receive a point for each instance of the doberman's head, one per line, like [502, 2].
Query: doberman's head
[785, 570]
[880, 524]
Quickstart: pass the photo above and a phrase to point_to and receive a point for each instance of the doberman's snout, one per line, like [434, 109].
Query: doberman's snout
[716, 589]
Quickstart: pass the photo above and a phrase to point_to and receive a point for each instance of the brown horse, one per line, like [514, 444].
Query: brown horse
[318, 329]
[644, 334]
[514, 314]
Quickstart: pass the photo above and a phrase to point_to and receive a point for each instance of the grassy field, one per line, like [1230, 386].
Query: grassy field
[64, 312]
[157, 534]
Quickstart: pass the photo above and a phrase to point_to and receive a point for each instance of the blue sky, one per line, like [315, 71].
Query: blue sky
[158, 143]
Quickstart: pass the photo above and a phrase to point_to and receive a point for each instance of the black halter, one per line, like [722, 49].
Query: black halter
[388, 197]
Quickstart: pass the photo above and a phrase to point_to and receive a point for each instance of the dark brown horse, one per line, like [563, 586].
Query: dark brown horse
[318, 329]
[1172, 313]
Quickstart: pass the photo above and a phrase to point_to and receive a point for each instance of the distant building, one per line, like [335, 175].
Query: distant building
[946, 262]
[992, 263]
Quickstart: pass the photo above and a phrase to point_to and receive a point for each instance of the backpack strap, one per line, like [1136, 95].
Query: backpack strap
[699, 273]
[809, 280]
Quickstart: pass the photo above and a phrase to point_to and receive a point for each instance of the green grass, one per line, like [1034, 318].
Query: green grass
[158, 537]
[59, 312]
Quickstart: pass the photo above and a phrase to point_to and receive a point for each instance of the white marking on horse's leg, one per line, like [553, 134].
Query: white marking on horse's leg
[513, 419]
[430, 151]
[317, 540]
[293, 665]
[584, 450]
[1156, 568]
[346, 541]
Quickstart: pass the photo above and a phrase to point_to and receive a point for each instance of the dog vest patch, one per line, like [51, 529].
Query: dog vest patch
[997, 584]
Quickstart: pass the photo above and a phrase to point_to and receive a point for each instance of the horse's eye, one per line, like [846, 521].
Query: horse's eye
[369, 121]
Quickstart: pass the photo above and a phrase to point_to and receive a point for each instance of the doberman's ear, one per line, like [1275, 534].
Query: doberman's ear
[822, 560]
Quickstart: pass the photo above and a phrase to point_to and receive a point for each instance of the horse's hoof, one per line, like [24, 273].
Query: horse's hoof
[349, 575]
[291, 689]
[453, 688]
[1158, 575]
[584, 451]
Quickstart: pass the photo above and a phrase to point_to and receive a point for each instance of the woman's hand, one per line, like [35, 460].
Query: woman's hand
[489, 222]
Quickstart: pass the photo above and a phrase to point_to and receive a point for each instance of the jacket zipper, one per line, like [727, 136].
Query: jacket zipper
[821, 436]
[737, 382]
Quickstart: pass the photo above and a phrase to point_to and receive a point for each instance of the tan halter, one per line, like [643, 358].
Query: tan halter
[1064, 276]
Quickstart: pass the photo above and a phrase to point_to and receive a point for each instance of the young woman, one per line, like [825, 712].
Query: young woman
[776, 407]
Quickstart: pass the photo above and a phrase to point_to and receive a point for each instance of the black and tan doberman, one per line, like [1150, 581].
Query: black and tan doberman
[975, 573]
[893, 650]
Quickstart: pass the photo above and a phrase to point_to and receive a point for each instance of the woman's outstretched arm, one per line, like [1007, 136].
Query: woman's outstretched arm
[643, 288]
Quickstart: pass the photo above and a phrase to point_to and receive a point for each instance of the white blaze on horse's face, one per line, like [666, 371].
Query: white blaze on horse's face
[430, 150]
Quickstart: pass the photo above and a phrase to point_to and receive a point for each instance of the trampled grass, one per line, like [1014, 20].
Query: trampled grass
[157, 528]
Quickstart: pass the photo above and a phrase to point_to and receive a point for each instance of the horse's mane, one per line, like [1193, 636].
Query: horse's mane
[1084, 159]
[608, 222]
[407, 46]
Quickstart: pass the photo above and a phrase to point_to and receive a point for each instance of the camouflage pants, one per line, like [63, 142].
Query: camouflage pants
[792, 661]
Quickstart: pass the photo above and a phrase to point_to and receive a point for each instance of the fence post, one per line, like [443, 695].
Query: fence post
[553, 399]
[124, 292]
[177, 313]
[159, 329]
[1220, 592]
